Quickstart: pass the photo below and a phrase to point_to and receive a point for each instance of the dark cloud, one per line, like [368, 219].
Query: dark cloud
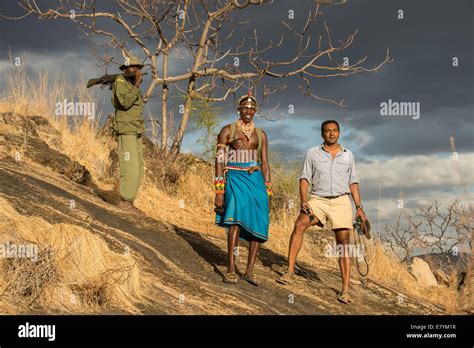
[422, 46]
[419, 139]
[38, 36]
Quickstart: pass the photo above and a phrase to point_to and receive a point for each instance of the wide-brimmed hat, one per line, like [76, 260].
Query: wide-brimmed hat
[131, 61]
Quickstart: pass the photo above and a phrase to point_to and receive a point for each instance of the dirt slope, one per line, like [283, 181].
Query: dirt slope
[186, 265]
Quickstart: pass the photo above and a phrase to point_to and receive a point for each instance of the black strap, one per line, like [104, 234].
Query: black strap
[357, 236]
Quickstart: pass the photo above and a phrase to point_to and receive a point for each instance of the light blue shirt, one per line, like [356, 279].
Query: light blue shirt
[327, 176]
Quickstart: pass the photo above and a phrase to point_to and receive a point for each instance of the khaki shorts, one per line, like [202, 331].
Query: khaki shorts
[335, 211]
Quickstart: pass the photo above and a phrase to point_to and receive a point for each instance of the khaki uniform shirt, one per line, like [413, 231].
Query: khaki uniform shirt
[128, 103]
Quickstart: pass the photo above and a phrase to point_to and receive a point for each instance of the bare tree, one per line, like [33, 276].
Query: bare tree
[445, 232]
[434, 231]
[157, 27]
[402, 240]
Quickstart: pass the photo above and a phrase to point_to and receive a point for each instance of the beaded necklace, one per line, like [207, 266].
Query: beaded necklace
[247, 129]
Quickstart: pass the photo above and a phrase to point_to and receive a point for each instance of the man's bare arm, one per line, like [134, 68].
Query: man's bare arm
[304, 185]
[221, 151]
[220, 162]
[355, 193]
[265, 164]
[357, 201]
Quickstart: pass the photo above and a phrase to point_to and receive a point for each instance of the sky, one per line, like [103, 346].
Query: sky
[398, 157]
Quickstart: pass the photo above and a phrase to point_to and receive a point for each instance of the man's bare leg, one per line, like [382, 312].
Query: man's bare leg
[253, 248]
[296, 240]
[342, 241]
[232, 244]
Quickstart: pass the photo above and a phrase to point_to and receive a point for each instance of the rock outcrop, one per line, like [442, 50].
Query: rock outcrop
[422, 272]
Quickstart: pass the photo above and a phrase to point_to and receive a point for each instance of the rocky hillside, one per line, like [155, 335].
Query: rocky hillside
[180, 269]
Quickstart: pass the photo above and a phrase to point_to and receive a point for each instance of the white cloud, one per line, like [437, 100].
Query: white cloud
[411, 171]
[362, 138]
[4, 66]
[410, 176]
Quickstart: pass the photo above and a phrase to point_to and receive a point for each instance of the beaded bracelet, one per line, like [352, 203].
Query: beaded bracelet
[219, 184]
[268, 185]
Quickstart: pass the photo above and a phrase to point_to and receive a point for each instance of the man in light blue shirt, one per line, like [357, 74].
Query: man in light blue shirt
[329, 177]
[331, 171]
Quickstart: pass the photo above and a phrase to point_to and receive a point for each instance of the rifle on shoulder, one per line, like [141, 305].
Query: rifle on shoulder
[107, 80]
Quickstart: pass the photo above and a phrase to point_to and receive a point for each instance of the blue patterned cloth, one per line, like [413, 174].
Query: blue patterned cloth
[246, 203]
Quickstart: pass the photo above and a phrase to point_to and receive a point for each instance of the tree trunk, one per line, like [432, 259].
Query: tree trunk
[164, 108]
[176, 147]
[200, 58]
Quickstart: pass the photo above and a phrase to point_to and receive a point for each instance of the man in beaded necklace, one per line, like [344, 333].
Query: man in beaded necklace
[243, 187]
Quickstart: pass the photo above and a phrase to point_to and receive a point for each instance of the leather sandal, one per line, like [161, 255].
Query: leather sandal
[285, 278]
[344, 297]
[231, 278]
[251, 278]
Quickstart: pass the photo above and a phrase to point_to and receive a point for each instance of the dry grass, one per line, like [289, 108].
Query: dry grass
[75, 271]
[83, 145]
[386, 268]
[28, 96]
[195, 190]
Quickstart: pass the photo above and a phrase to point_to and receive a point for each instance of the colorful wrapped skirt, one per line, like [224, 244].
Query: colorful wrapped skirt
[246, 202]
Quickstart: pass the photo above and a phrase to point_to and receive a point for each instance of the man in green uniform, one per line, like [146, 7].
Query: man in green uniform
[129, 125]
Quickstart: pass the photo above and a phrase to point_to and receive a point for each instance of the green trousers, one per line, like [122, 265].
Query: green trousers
[130, 151]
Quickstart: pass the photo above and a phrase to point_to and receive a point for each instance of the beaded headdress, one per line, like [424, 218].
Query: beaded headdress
[248, 98]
